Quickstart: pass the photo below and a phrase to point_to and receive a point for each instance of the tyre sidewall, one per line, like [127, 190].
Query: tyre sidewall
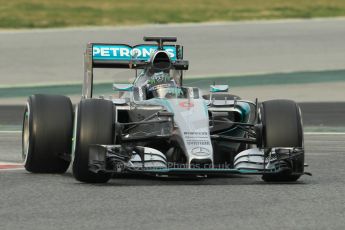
[50, 133]
[286, 131]
[91, 110]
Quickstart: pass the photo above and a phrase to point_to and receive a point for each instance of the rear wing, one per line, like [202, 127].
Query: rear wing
[105, 55]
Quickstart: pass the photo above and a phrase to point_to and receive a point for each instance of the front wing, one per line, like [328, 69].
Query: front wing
[116, 159]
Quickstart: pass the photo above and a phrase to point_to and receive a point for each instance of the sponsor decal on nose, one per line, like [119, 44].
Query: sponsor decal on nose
[186, 104]
[200, 151]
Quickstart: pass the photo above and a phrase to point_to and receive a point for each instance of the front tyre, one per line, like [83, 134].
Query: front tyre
[47, 133]
[94, 126]
[282, 127]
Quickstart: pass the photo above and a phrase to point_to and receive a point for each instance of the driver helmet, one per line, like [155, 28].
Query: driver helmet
[160, 84]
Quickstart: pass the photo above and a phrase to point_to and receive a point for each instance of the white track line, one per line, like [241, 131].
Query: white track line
[10, 163]
[4, 131]
[12, 169]
[324, 133]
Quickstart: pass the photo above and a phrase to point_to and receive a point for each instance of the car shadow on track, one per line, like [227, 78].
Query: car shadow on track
[214, 180]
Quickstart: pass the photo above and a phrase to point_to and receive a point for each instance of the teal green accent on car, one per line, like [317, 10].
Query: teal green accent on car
[123, 87]
[244, 107]
[205, 107]
[117, 52]
[245, 110]
[219, 88]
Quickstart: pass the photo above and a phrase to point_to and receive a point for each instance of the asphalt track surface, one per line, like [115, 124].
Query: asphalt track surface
[55, 55]
[38, 201]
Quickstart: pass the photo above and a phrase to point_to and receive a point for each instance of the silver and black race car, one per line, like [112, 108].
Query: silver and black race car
[157, 126]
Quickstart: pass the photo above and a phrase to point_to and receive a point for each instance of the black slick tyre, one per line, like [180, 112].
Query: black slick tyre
[47, 133]
[282, 127]
[95, 119]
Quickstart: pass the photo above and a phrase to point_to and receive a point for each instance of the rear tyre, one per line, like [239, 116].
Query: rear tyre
[47, 133]
[282, 127]
[94, 126]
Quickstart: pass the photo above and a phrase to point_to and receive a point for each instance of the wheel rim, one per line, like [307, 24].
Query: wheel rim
[26, 134]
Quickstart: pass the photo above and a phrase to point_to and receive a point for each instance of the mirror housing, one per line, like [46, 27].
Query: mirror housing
[219, 88]
[181, 65]
[123, 87]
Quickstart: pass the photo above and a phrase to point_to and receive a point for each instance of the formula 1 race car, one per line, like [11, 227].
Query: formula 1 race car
[157, 126]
